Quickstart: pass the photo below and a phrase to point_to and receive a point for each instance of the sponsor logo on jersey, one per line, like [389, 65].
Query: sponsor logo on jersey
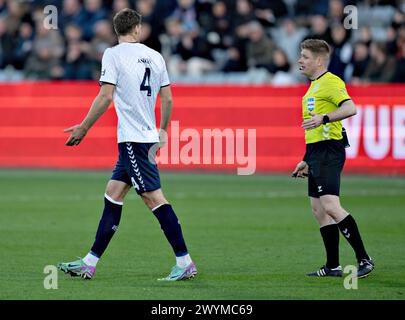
[145, 60]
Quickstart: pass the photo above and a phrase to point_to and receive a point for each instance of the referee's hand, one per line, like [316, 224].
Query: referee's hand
[314, 122]
[301, 170]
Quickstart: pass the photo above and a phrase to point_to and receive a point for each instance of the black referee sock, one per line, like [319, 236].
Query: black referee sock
[330, 236]
[171, 227]
[108, 225]
[349, 229]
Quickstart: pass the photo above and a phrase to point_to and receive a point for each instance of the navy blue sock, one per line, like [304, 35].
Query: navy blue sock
[106, 228]
[171, 227]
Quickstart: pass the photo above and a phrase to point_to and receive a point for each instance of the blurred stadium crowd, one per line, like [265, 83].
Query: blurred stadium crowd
[239, 41]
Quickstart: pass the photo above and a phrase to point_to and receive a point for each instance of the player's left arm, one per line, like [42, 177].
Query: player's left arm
[346, 110]
[98, 107]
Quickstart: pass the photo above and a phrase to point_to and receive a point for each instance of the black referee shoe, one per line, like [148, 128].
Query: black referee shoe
[365, 267]
[327, 272]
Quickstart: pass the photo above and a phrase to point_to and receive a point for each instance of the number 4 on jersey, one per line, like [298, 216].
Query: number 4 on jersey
[145, 85]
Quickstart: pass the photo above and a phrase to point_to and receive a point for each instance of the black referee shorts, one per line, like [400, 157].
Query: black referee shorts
[325, 160]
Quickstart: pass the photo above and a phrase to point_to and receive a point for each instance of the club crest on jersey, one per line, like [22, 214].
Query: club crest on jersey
[311, 103]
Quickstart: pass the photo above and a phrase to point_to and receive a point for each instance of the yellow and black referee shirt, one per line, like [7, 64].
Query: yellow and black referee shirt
[326, 94]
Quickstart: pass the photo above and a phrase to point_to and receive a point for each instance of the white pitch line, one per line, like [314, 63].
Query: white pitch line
[199, 195]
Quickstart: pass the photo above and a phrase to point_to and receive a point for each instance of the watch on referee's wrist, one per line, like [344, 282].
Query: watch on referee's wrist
[325, 119]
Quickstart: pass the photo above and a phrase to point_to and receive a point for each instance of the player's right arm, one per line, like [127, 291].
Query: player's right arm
[99, 106]
[166, 99]
[108, 80]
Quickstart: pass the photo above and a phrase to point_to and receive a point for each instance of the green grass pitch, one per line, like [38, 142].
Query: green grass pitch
[252, 237]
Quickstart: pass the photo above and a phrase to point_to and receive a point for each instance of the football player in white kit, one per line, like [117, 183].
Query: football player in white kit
[132, 76]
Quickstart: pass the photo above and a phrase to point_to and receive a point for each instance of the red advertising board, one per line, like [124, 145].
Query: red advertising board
[245, 128]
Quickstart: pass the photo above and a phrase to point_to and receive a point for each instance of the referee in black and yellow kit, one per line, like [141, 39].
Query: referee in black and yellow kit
[324, 105]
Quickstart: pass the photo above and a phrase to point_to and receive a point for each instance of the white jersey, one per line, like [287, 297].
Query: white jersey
[138, 72]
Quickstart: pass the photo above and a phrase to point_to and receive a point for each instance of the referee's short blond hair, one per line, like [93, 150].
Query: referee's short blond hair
[317, 46]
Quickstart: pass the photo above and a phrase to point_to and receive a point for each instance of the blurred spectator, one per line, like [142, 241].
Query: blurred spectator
[398, 20]
[3, 7]
[23, 45]
[219, 32]
[268, 11]
[335, 11]
[189, 52]
[104, 38]
[242, 16]
[72, 13]
[73, 33]
[375, 16]
[281, 69]
[391, 41]
[151, 25]
[319, 29]
[363, 35]
[170, 42]
[165, 8]
[192, 54]
[381, 67]
[259, 51]
[236, 60]
[400, 41]
[279, 62]
[196, 53]
[118, 5]
[187, 15]
[47, 50]
[359, 62]
[315, 7]
[288, 37]
[6, 44]
[203, 10]
[93, 12]
[401, 6]
[43, 3]
[400, 68]
[341, 51]
[201, 36]
[76, 66]
[236, 57]
[17, 12]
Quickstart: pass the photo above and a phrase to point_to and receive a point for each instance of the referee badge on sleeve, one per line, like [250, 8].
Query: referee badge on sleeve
[311, 103]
